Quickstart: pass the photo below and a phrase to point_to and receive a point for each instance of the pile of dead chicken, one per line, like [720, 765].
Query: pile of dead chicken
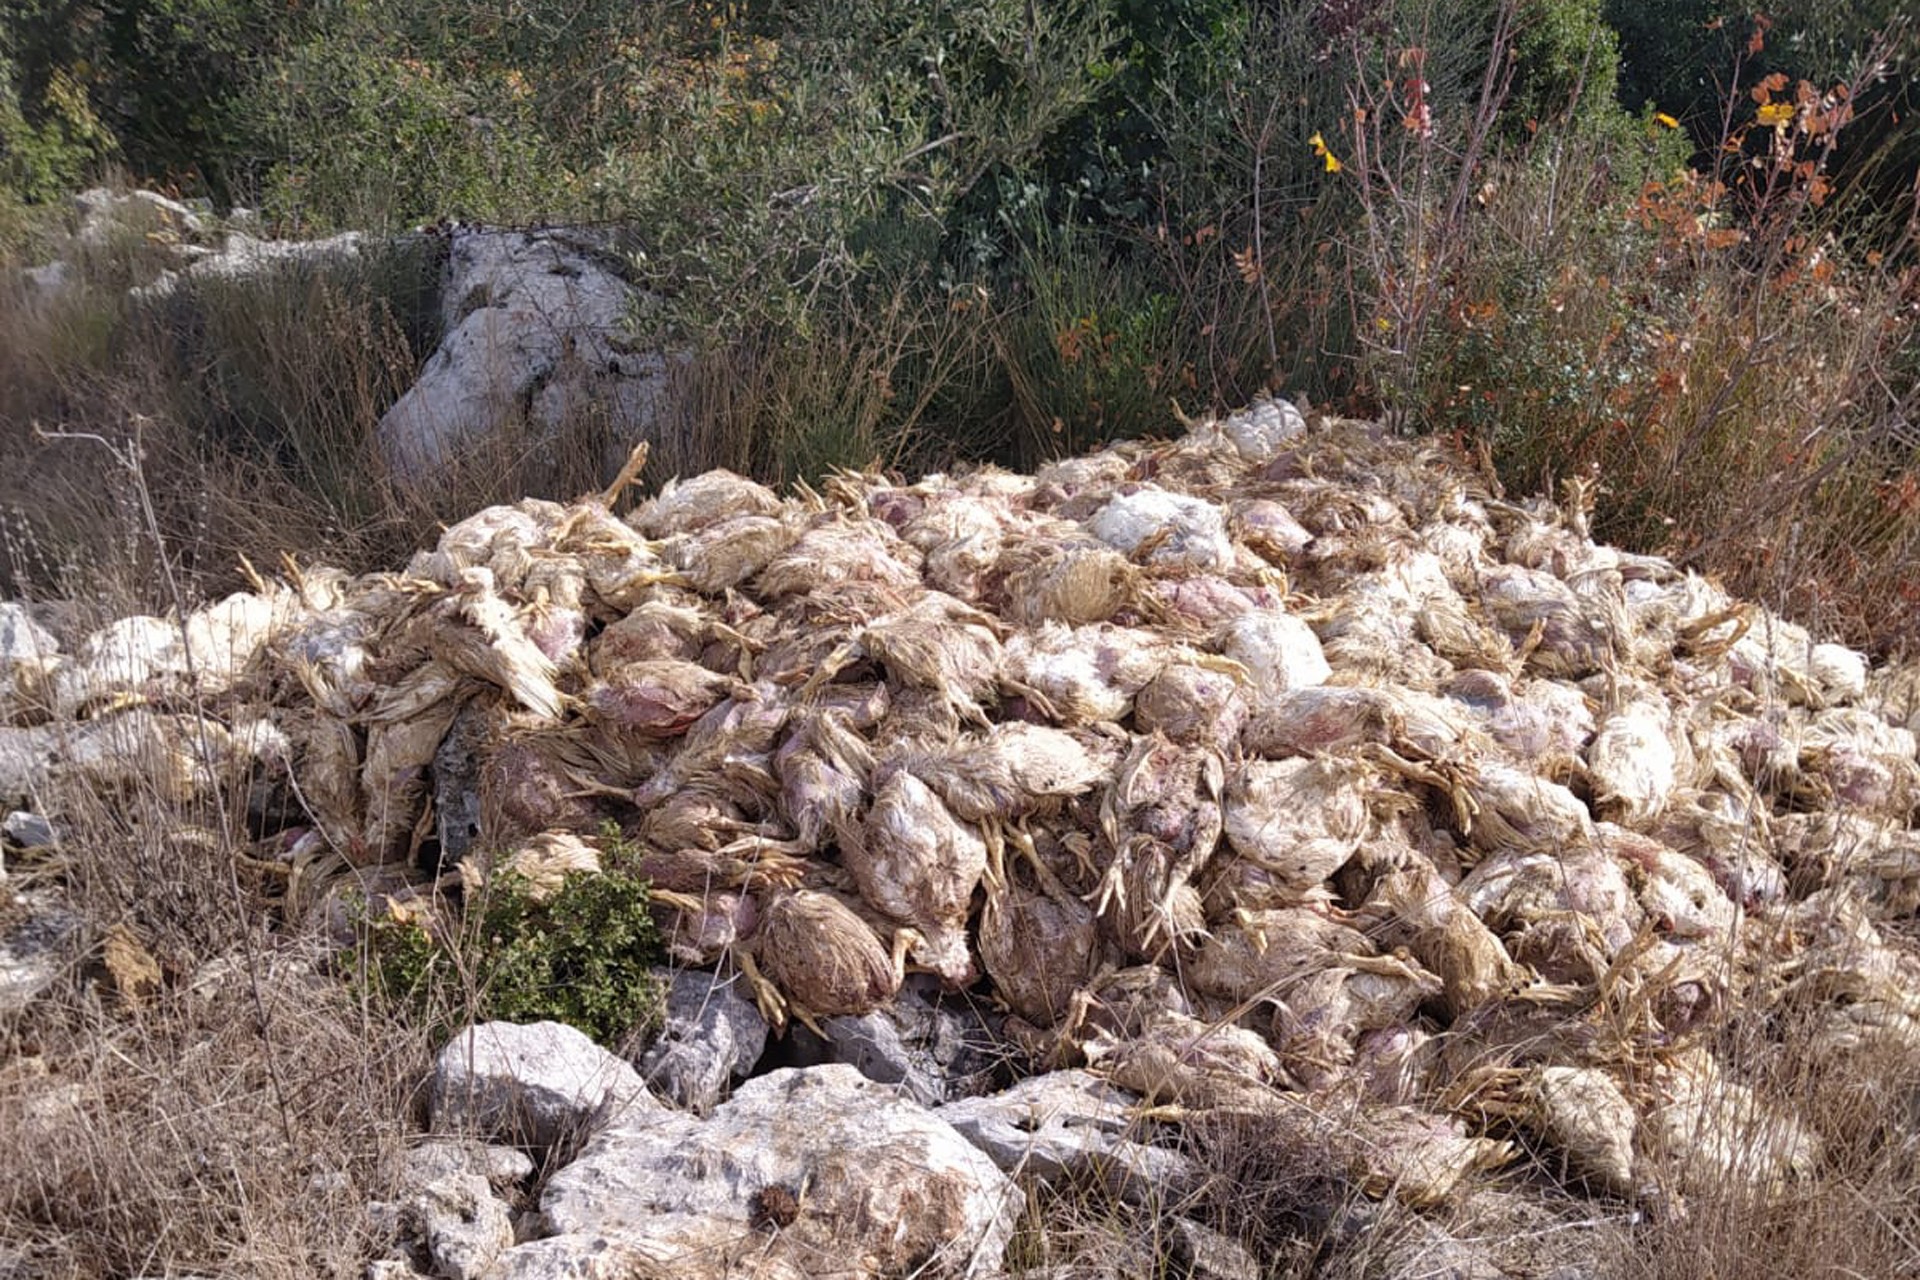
[1278, 762]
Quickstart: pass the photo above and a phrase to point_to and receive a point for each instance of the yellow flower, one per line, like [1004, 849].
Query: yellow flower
[1775, 113]
[1666, 121]
[1319, 145]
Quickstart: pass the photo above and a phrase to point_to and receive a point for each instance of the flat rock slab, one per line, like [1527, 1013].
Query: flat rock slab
[815, 1171]
[530, 1085]
[1071, 1126]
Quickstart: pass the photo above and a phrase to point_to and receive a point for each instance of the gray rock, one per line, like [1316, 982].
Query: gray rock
[51, 279]
[801, 1172]
[712, 1037]
[456, 781]
[535, 328]
[462, 1225]
[1201, 1253]
[26, 761]
[594, 1255]
[1071, 1125]
[23, 641]
[102, 212]
[1416, 1249]
[243, 257]
[31, 949]
[530, 1085]
[28, 830]
[502, 1167]
[936, 1052]
[390, 1269]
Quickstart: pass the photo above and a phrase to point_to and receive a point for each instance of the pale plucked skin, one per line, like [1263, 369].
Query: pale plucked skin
[1301, 819]
[1633, 765]
[661, 697]
[918, 864]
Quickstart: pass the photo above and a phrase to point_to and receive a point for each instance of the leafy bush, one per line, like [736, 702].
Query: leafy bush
[582, 955]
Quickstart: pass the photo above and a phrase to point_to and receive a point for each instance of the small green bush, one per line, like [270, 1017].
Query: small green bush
[583, 955]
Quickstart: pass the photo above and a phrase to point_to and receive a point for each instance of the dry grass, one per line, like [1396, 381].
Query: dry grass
[251, 407]
[198, 1093]
[238, 1125]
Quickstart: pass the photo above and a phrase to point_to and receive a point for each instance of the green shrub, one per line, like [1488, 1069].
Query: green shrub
[582, 955]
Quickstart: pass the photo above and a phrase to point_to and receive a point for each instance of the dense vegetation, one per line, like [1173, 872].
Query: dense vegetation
[1670, 246]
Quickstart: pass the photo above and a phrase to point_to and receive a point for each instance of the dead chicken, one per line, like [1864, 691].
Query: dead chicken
[1877, 858]
[528, 783]
[1705, 1130]
[1161, 820]
[1084, 675]
[1563, 633]
[824, 768]
[814, 957]
[1163, 530]
[1413, 907]
[1016, 769]
[730, 746]
[934, 642]
[473, 630]
[688, 506]
[1568, 915]
[1577, 1111]
[1322, 984]
[1039, 942]
[623, 570]
[658, 697]
[1633, 764]
[539, 866]
[836, 549]
[1679, 895]
[1299, 819]
[1279, 652]
[500, 539]
[1190, 1063]
[918, 864]
[657, 630]
[1066, 580]
[1195, 703]
[720, 556]
[1541, 723]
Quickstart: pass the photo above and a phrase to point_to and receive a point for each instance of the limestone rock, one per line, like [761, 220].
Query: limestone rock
[534, 325]
[713, 1036]
[1071, 1125]
[530, 1084]
[814, 1171]
[1201, 1253]
[28, 830]
[461, 1224]
[503, 1167]
[30, 949]
[26, 761]
[931, 1049]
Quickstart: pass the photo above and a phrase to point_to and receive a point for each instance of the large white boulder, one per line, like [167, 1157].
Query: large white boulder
[815, 1171]
[536, 326]
[531, 1085]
